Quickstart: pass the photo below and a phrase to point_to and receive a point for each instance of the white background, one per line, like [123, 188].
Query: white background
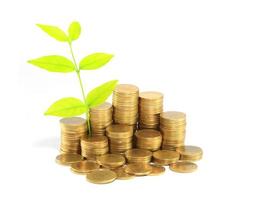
[214, 60]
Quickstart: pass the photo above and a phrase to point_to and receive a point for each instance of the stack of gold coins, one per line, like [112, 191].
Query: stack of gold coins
[138, 156]
[173, 128]
[125, 103]
[165, 157]
[120, 138]
[100, 117]
[150, 107]
[191, 153]
[72, 129]
[94, 145]
[149, 139]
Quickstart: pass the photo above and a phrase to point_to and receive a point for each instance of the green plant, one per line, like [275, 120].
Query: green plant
[71, 106]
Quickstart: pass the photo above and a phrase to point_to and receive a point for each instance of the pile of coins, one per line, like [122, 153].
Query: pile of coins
[72, 129]
[125, 104]
[101, 118]
[120, 137]
[150, 107]
[94, 146]
[112, 153]
[149, 139]
[173, 128]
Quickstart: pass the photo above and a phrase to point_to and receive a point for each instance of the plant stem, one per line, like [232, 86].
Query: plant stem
[82, 89]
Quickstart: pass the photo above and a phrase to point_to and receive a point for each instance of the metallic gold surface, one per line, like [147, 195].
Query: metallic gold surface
[84, 167]
[138, 169]
[148, 139]
[101, 176]
[111, 160]
[157, 170]
[173, 128]
[165, 157]
[121, 174]
[68, 159]
[183, 166]
[138, 156]
[150, 107]
[192, 153]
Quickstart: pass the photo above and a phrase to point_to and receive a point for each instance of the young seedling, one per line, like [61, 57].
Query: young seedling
[71, 106]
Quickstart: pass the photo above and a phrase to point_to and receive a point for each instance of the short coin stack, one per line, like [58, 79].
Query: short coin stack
[138, 156]
[94, 146]
[150, 107]
[173, 128]
[120, 138]
[191, 153]
[100, 117]
[125, 103]
[148, 139]
[72, 129]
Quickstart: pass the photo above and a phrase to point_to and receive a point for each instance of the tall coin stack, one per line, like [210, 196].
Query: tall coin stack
[100, 117]
[120, 138]
[72, 129]
[173, 128]
[94, 145]
[149, 139]
[150, 107]
[125, 103]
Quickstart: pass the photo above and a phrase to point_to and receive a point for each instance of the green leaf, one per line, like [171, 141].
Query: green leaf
[67, 107]
[99, 94]
[74, 31]
[95, 61]
[53, 63]
[54, 32]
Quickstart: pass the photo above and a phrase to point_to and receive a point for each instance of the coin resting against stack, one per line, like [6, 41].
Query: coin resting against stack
[130, 137]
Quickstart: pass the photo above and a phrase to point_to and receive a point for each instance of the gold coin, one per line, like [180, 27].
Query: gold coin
[121, 174]
[84, 167]
[103, 107]
[101, 176]
[67, 159]
[138, 153]
[119, 131]
[72, 122]
[192, 153]
[111, 160]
[150, 95]
[126, 89]
[138, 169]
[165, 157]
[157, 170]
[183, 166]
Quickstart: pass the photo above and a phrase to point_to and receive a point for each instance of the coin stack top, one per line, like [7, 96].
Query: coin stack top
[72, 129]
[173, 128]
[125, 103]
[94, 145]
[120, 137]
[101, 117]
[149, 139]
[150, 107]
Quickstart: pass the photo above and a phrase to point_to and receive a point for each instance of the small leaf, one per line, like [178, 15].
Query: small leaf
[53, 63]
[95, 61]
[67, 107]
[54, 32]
[74, 31]
[99, 94]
